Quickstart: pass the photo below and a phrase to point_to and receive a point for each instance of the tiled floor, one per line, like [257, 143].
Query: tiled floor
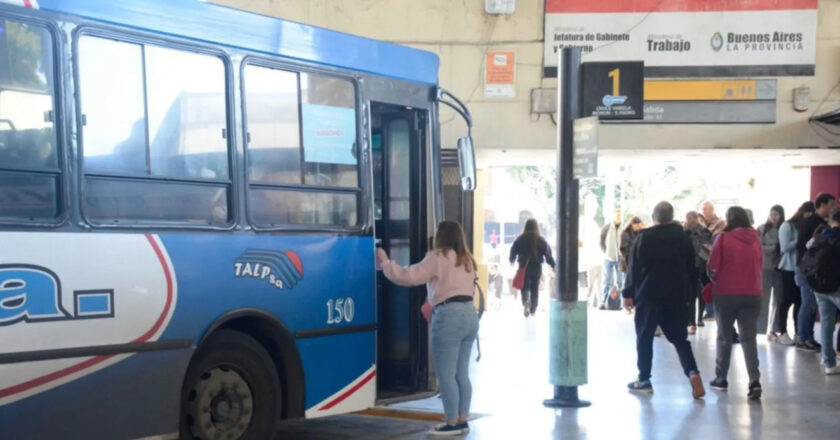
[511, 382]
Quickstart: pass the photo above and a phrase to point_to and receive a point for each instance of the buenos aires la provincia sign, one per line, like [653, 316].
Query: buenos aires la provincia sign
[687, 38]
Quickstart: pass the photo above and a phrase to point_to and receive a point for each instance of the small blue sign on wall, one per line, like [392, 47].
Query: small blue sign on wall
[329, 134]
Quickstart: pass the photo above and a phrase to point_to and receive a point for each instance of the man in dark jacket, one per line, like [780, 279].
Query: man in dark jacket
[805, 341]
[659, 282]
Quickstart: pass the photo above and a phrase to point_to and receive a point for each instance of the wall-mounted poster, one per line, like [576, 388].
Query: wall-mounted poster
[500, 75]
[685, 38]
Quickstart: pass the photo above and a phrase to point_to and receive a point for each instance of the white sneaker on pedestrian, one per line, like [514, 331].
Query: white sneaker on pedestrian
[785, 339]
[832, 371]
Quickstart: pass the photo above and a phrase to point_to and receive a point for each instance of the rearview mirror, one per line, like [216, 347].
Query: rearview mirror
[466, 163]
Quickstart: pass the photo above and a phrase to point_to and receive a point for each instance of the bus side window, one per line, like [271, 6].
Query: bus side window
[302, 153]
[30, 176]
[153, 138]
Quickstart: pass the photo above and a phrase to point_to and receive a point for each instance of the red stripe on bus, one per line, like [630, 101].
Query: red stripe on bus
[168, 273]
[349, 392]
[295, 259]
[27, 3]
[619, 6]
[38, 381]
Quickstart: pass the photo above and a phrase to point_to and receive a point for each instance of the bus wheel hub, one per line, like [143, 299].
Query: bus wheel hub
[223, 406]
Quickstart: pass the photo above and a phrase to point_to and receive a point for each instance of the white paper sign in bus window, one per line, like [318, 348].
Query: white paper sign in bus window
[329, 134]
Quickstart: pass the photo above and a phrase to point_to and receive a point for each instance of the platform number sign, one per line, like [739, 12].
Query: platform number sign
[613, 90]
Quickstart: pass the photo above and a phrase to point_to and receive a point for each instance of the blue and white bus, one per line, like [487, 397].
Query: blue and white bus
[190, 201]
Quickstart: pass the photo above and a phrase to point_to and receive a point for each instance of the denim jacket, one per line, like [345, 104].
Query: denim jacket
[787, 242]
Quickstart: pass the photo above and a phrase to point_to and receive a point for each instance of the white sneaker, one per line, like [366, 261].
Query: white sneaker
[831, 371]
[785, 340]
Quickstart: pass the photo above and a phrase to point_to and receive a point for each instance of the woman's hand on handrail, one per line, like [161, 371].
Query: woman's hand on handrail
[381, 258]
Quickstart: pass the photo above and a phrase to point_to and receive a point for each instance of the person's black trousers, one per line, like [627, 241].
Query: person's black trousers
[792, 297]
[531, 290]
[671, 316]
[696, 304]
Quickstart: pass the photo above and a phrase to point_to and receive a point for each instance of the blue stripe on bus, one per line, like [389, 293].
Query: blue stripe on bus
[216, 24]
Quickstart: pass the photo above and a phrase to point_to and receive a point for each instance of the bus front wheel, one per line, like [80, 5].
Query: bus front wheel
[231, 390]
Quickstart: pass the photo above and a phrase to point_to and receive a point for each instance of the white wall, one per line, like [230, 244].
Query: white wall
[461, 33]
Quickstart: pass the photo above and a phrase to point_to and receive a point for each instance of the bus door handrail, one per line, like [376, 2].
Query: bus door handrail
[458, 106]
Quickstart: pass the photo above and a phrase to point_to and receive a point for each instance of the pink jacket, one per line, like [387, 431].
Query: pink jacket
[737, 267]
[443, 280]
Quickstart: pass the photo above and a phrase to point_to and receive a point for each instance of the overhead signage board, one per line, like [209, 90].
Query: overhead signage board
[613, 90]
[688, 38]
[585, 147]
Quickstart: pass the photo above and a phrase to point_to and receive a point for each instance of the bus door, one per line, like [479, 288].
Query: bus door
[399, 157]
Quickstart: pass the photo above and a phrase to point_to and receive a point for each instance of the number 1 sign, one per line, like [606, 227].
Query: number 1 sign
[613, 90]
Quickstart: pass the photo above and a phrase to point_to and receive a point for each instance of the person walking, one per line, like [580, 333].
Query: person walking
[824, 205]
[531, 250]
[661, 274]
[610, 248]
[735, 269]
[449, 272]
[791, 296]
[701, 241]
[626, 241]
[771, 277]
[829, 302]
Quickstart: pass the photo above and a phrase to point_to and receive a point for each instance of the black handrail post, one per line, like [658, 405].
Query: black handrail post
[569, 106]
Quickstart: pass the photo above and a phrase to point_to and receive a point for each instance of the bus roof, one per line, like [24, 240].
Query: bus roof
[197, 20]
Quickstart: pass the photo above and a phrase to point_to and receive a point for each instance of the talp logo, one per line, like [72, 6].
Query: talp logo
[281, 269]
[33, 294]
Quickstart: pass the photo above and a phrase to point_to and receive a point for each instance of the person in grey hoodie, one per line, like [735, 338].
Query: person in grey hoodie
[771, 280]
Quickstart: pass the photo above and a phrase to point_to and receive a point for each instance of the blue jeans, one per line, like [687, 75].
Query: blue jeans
[454, 329]
[828, 319]
[611, 273]
[807, 311]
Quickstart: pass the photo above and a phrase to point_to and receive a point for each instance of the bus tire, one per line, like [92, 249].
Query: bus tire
[231, 390]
